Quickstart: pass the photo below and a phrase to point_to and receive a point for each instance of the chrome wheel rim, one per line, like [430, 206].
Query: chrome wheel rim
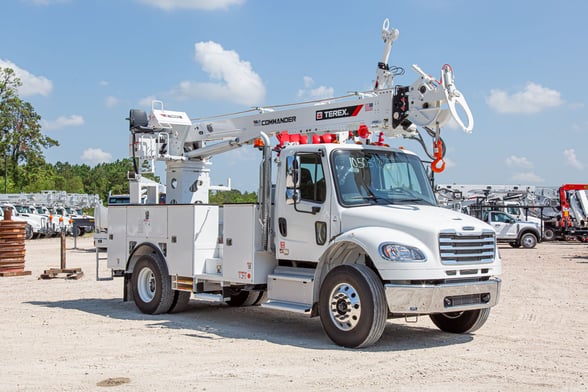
[345, 307]
[146, 285]
[528, 241]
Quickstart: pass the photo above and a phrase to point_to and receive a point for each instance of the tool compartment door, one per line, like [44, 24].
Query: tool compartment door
[243, 258]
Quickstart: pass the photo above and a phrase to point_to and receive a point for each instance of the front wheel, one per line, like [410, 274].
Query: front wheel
[151, 285]
[352, 306]
[29, 232]
[461, 322]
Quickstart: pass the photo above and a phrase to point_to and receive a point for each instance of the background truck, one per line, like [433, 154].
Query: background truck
[349, 232]
[36, 225]
[512, 230]
[569, 217]
[520, 202]
[51, 212]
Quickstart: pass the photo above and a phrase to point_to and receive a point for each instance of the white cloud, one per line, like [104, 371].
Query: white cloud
[572, 160]
[147, 101]
[112, 101]
[62, 122]
[449, 163]
[104, 83]
[207, 5]
[532, 99]
[321, 92]
[31, 84]
[94, 156]
[522, 162]
[580, 127]
[527, 177]
[233, 79]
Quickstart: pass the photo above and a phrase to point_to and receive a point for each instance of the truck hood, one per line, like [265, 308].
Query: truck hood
[420, 221]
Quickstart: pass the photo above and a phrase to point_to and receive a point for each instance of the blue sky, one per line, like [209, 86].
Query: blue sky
[521, 65]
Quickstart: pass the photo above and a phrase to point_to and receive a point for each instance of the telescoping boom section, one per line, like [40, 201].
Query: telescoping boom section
[346, 227]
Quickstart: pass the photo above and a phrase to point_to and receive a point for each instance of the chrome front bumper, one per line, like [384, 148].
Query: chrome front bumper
[443, 298]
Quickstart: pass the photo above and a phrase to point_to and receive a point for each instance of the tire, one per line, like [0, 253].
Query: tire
[461, 322]
[151, 285]
[245, 298]
[528, 240]
[262, 298]
[548, 235]
[352, 306]
[180, 302]
[515, 244]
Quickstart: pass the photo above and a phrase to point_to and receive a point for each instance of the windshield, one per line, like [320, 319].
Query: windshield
[118, 200]
[380, 177]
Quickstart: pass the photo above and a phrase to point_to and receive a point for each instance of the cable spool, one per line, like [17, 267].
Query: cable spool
[12, 248]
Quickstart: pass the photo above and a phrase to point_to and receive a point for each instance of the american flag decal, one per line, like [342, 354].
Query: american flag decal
[369, 107]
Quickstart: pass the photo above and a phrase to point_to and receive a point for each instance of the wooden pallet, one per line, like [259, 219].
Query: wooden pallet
[14, 273]
[65, 273]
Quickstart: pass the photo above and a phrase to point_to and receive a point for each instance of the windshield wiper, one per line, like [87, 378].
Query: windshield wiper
[415, 199]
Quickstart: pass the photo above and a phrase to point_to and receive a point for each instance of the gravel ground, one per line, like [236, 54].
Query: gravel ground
[78, 335]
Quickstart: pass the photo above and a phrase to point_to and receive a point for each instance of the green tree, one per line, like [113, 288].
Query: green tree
[39, 176]
[232, 196]
[20, 129]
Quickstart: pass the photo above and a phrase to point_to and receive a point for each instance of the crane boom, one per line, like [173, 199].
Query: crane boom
[386, 111]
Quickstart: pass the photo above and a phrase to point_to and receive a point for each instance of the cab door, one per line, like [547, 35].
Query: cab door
[302, 212]
[504, 225]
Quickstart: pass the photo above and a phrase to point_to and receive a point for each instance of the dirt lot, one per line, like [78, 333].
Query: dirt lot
[78, 335]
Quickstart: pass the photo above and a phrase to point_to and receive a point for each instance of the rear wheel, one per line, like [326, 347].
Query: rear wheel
[461, 322]
[151, 285]
[549, 234]
[180, 302]
[352, 306]
[245, 298]
[528, 240]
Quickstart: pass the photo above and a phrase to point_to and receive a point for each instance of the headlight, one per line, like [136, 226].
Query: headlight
[402, 253]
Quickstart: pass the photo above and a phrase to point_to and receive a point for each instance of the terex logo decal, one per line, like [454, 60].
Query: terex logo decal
[347, 111]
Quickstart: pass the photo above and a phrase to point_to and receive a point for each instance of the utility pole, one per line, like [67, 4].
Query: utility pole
[6, 163]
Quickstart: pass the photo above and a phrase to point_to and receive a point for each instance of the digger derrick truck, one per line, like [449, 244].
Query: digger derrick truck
[350, 231]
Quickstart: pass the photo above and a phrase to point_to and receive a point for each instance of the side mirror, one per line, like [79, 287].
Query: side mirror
[295, 173]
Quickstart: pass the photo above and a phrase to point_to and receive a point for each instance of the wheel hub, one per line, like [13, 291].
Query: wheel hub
[146, 285]
[345, 307]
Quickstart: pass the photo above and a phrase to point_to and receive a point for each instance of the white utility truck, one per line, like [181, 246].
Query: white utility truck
[350, 231]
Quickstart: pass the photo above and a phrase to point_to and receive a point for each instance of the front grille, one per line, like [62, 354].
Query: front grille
[461, 248]
[464, 300]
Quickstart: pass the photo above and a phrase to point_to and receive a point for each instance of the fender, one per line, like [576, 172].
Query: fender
[138, 251]
[361, 246]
